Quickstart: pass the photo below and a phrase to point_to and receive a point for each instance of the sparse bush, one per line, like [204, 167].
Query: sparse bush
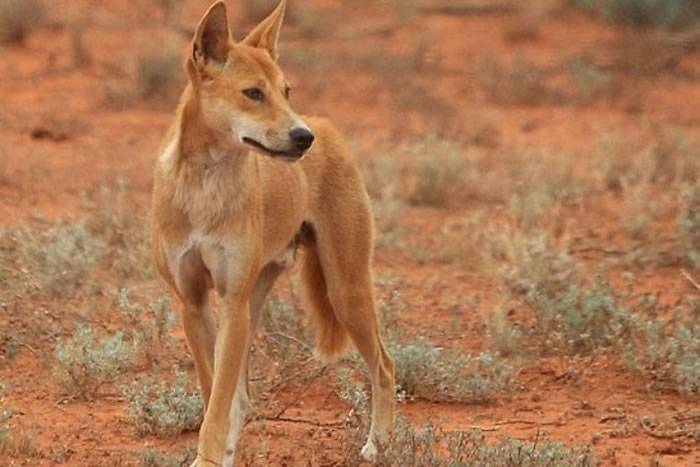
[576, 320]
[402, 73]
[309, 21]
[439, 171]
[568, 316]
[462, 242]
[124, 228]
[521, 83]
[534, 263]
[151, 457]
[148, 326]
[155, 407]
[257, 10]
[391, 307]
[667, 351]
[592, 82]
[689, 223]
[5, 415]
[432, 447]
[84, 364]
[282, 321]
[388, 210]
[641, 13]
[17, 442]
[383, 179]
[435, 374]
[18, 17]
[506, 337]
[159, 76]
[48, 263]
[287, 344]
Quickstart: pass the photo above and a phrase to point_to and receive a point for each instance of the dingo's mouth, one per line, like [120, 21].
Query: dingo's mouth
[287, 155]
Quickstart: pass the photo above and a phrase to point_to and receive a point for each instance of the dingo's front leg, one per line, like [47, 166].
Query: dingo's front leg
[229, 399]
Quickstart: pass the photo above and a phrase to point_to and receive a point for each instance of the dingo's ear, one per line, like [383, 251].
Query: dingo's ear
[211, 41]
[266, 34]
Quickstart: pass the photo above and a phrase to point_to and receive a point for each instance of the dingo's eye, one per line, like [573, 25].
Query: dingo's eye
[254, 93]
[287, 90]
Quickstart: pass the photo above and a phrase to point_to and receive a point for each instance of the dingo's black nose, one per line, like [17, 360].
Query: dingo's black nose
[301, 138]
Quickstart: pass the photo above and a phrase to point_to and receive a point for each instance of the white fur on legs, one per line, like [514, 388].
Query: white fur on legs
[369, 450]
[378, 431]
[237, 414]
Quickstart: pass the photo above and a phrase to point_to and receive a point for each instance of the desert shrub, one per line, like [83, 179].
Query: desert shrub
[388, 211]
[405, 74]
[383, 179]
[84, 363]
[159, 76]
[287, 344]
[673, 159]
[439, 171]
[429, 446]
[462, 242]
[641, 13]
[533, 263]
[156, 407]
[668, 350]
[152, 457]
[148, 326]
[6, 413]
[577, 320]
[592, 82]
[15, 441]
[505, 336]
[567, 314]
[282, 321]
[519, 83]
[124, 228]
[689, 224]
[391, 306]
[47, 263]
[18, 17]
[435, 374]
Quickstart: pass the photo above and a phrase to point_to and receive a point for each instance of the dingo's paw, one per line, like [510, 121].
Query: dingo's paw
[369, 451]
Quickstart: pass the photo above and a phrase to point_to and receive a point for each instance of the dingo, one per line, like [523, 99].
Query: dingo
[240, 182]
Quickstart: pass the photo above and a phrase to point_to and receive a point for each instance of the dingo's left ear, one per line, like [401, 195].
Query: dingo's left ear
[266, 34]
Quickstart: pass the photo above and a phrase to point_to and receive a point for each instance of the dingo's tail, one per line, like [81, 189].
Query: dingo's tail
[332, 340]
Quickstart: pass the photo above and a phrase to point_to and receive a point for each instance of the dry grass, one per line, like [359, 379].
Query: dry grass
[519, 83]
[18, 18]
[148, 326]
[49, 263]
[439, 169]
[430, 446]
[689, 223]
[159, 77]
[431, 373]
[85, 363]
[645, 13]
[156, 407]
[383, 177]
[151, 457]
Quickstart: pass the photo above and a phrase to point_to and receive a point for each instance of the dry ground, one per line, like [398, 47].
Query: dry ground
[512, 153]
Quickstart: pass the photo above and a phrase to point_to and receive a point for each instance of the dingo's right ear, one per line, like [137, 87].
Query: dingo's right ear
[212, 39]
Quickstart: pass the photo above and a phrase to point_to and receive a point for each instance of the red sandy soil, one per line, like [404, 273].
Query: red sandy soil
[88, 144]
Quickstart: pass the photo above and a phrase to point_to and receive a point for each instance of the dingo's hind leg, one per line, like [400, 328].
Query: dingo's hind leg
[343, 245]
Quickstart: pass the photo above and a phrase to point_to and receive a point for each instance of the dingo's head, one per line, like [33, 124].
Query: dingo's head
[242, 93]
